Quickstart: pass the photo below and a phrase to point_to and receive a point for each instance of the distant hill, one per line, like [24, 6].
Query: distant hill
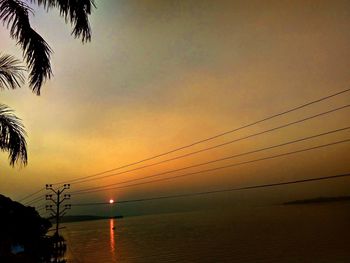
[77, 218]
[319, 200]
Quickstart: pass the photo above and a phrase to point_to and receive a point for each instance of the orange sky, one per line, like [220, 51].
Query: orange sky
[161, 74]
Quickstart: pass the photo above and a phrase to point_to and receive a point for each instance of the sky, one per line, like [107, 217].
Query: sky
[162, 74]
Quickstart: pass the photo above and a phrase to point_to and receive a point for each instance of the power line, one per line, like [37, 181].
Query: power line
[212, 137]
[219, 190]
[216, 146]
[35, 200]
[258, 150]
[103, 188]
[230, 157]
[30, 195]
[40, 208]
[197, 142]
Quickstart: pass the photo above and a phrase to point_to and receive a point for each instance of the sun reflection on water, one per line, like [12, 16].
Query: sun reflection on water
[111, 233]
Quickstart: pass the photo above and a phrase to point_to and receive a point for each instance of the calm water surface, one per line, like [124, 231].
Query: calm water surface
[303, 233]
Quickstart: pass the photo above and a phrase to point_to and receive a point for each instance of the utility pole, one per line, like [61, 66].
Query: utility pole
[55, 210]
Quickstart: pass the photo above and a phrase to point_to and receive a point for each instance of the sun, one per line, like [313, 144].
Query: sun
[111, 201]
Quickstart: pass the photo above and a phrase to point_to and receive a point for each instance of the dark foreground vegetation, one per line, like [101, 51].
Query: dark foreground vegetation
[24, 235]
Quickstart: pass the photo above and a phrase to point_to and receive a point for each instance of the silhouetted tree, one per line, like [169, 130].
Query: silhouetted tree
[11, 72]
[22, 226]
[36, 51]
[12, 133]
[15, 16]
[12, 136]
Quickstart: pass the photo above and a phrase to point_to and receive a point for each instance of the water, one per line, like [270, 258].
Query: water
[303, 233]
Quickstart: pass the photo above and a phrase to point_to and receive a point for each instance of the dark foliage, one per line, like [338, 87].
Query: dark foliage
[21, 225]
[11, 72]
[15, 15]
[12, 136]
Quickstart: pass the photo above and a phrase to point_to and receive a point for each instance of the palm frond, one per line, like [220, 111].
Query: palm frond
[12, 136]
[11, 72]
[74, 11]
[14, 14]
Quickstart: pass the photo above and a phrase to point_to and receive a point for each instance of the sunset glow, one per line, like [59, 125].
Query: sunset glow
[152, 81]
[174, 131]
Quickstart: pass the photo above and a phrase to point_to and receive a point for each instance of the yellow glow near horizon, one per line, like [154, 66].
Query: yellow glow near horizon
[159, 75]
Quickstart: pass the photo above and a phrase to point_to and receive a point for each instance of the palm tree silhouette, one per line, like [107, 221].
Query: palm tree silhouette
[12, 133]
[36, 51]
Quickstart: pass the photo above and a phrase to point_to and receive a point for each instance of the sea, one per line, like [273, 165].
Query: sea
[274, 233]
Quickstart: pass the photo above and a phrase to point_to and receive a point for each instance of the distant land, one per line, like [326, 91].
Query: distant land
[77, 218]
[319, 200]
